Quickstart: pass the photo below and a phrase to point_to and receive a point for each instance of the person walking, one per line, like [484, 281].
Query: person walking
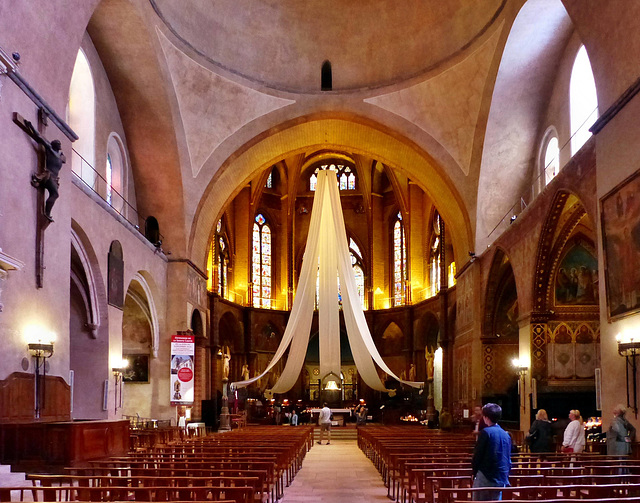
[574, 438]
[539, 436]
[491, 461]
[324, 420]
[620, 434]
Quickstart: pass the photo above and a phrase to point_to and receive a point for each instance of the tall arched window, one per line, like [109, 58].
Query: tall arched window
[109, 178]
[434, 259]
[261, 263]
[358, 270]
[115, 174]
[82, 117]
[583, 100]
[551, 159]
[222, 262]
[399, 261]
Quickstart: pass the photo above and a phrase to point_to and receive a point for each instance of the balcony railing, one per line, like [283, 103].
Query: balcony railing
[90, 178]
[87, 174]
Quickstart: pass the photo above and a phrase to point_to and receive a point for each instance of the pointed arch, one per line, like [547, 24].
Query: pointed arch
[94, 281]
[82, 118]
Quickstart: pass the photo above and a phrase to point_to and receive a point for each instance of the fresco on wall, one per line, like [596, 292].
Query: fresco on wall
[576, 278]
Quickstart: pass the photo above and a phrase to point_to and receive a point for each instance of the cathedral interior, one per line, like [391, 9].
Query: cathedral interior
[486, 155]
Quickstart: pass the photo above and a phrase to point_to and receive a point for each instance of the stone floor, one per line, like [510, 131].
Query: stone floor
[336, 473]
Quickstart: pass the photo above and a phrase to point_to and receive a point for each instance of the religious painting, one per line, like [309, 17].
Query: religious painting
[621, 235]
[576, 278]
[138, 369]
[115, 276]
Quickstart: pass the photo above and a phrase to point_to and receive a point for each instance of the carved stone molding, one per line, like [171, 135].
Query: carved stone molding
[7, 263]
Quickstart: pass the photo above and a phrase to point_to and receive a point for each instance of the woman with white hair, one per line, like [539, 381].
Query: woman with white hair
[574, 438]
[621, 433]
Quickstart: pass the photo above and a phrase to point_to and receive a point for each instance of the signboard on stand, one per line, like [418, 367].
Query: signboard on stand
[182, 366]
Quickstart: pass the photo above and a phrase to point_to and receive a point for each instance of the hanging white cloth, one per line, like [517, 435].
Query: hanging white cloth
[327, 255]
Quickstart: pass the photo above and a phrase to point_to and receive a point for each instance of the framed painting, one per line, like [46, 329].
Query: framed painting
[138, 369]
[620, 217]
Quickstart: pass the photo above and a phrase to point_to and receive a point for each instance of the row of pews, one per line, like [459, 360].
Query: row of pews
[430, 466]
[250, 465]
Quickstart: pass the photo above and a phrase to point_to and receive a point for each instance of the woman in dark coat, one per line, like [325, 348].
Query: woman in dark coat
[539, 435]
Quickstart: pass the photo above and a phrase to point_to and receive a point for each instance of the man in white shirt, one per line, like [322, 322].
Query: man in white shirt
[324, 420]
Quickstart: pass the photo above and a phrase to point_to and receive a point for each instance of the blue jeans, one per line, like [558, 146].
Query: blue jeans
[481, 481]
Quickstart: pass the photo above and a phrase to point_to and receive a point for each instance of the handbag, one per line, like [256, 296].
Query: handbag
[532, 437]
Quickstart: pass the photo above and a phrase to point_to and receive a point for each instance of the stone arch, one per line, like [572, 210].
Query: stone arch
[392, 339]
[230, 332]
[197, 324]
[88, 328]
[535, 45]
[95, 287]
[142, 293]
[303, 134]
[565, 214]
[501, 307]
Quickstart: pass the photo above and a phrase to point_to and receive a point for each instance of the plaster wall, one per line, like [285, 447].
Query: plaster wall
[618, 153]
[101, 228]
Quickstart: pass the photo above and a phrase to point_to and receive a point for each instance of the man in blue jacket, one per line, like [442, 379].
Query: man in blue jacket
[492, 455]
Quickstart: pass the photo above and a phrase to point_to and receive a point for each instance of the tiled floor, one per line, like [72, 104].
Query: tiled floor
[336, 473]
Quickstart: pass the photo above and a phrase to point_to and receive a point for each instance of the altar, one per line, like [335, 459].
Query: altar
[340, 416]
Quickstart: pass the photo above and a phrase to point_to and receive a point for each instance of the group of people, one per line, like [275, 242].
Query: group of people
[491, 461]
[619, 436]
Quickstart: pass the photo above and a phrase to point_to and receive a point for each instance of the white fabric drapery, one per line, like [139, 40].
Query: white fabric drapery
[327, 255]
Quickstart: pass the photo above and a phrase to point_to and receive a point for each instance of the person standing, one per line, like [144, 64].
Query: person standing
[621, 433]
[574, 438]
[539, 435]
[324, 420]
[478, 422]
[491, 461]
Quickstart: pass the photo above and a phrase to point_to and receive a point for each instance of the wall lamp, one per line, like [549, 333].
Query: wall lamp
[118, 373]
[521, 367]
[521, 370]
[40, 347]
[629, 347]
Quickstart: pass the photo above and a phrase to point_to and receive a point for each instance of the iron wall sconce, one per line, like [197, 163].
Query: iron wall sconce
[40, 350]
[630, 349]
[118, 374]
[521, 370]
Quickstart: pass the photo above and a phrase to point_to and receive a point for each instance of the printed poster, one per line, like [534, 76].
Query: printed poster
[182, 365]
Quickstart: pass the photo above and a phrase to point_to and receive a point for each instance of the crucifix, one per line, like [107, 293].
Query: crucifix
[50, 161]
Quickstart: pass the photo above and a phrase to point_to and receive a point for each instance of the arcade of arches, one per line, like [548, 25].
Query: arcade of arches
[485, 165]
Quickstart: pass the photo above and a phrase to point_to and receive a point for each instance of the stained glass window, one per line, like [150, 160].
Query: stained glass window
[109, 178]
[399, 261]
[261, 263]
[269, 184]
[358, 269]
[219, 262]
[345, 176]
[435, 264]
